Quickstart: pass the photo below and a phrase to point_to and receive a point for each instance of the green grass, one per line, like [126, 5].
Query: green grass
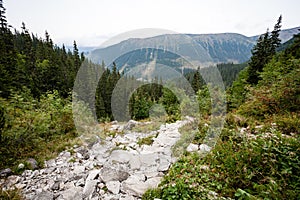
[145, 141]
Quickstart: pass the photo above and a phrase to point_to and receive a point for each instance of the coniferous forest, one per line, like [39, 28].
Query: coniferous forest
[258, 152]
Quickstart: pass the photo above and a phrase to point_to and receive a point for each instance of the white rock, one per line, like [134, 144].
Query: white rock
[120, 156]
[21, 166]
[78, 169]
[192, 148]
[204, 148]
[135, 162]
[93, 174]
[89, 188]
[113, 187]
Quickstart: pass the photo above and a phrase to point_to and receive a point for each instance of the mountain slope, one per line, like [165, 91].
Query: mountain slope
[206, 49]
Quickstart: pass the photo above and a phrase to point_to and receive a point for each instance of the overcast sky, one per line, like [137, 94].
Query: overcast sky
[91, 22]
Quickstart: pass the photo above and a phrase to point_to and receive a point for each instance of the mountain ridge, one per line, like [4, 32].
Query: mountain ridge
[214, 48]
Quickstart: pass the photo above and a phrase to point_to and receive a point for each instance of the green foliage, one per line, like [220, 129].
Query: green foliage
[34, 127]
[255, 163]
[147, 141]
[27, 60]
[228, 71]
[145, 97]
[264, 167]
[239, 90]
[278, 92]
[204, 100]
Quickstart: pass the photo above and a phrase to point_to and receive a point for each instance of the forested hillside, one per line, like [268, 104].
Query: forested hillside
[257, 155]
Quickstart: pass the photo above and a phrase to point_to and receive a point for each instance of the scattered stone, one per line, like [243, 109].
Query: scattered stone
[120, 156]
[108, 174]
[21, 166]
[204, 148]
[33, 164]
[89, 188]
[74, 193]
[113, 187]
[101, 170]
[55, 186]
[192, 148]
[44, 195]
[93, 174]
[5, 172]
[130, 124]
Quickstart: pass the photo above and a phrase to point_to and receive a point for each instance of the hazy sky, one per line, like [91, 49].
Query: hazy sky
[91, 22]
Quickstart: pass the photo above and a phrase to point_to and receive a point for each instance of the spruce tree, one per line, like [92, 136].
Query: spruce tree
[275, 40]
[196, 81]
[262, 52]
[7, 56]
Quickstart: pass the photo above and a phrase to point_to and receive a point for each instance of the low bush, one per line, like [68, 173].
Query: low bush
[36, 129]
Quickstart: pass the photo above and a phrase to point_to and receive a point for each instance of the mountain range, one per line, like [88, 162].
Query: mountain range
[181, 50]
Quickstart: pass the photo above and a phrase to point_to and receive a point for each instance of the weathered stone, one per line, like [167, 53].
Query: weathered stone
[50, 163]
[135, 162]
[149, 159]
[130, 124]
[109, 174]
[80, 182]
[5, 172]
[136, 187]
[127, 197]
[78, 169]
[74, 193]
[113, 187]
[33, 164]
[204, 148]
[120, 156]
[132, 172]
[55, 186]
[133, 186]
[93, 174]
[21, 166]
[12, 180]
[44, 195]
[164, 165]
[89, 188]
[192, 148]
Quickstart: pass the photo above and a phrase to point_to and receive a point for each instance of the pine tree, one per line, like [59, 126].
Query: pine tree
[294, 49]
[7, 56]
[275, 40]
[196, 81]
[262, 53]
[77, 60]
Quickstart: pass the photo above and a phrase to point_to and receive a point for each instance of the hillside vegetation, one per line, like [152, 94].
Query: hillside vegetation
[257, 155]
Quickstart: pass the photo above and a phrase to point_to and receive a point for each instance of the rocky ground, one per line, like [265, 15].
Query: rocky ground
[115, 168]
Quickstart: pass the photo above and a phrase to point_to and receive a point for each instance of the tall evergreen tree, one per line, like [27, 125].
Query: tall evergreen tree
[196, 85]
[262, 52]
[7, 56]
[275, 40]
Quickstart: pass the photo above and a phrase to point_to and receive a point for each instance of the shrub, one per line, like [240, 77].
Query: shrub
[35, 128]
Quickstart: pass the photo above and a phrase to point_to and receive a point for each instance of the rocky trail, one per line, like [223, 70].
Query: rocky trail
[115, 168]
